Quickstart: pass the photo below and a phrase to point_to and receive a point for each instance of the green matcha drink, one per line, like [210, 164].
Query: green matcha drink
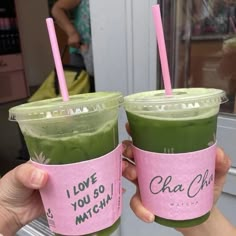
[184, 122]
[197, 134]
[84, 128]
[78, 147]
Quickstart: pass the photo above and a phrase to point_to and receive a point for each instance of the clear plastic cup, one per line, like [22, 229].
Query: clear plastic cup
[60, 133]
[182, 123]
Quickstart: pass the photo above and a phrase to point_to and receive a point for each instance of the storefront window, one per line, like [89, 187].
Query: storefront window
[201, 38]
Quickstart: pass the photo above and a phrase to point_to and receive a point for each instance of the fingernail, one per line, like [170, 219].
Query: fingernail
[124, 146]
[125, 164]
[37, 178]
[149, 218]
[221, 152]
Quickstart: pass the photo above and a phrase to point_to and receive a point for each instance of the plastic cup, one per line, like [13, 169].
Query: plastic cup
[82, 129]
[185, 122]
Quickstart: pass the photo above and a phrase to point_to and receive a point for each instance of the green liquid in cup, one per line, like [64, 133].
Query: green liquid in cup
[76, 148]
[181, 136]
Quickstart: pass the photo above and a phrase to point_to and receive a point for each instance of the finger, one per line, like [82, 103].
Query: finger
[139, 210]
[124, 165]
[127, 149]
[27, 175]
[129, 172]
[223, 164]
[74, 44]
[128, 128]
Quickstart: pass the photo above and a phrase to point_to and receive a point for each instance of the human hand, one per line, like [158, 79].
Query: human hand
[223, 164]
[74, 39]
[20, 201]
[129, 172]
[216, 224]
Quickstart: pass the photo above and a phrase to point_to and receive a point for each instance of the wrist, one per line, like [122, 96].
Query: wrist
[8, 223]
[195, 230]
[215, 225]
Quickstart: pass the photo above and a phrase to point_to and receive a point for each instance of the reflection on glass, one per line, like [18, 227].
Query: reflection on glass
[203, 47]
[211, 17]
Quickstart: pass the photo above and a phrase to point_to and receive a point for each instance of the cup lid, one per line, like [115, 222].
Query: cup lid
[181, 99]
[56, 108]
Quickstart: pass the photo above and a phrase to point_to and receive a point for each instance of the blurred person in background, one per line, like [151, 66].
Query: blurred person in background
[73, 16]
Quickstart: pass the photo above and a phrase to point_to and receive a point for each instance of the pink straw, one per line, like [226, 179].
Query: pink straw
[57, 59]
[162, 49]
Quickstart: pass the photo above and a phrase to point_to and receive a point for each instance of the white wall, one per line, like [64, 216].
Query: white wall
[35, 44]
[124, 47]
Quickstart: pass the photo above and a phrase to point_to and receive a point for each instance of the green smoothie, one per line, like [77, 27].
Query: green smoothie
[166, 136]
[82, 129]
[183, 122]
[75, 147]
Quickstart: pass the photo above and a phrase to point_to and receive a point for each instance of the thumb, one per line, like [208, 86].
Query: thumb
[27, 175]
[223, 164]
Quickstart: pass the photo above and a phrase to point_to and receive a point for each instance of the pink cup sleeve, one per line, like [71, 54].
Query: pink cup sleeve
[176, 186]
[84, 197]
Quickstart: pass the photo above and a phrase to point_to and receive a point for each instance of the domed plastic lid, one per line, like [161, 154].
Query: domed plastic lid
[56, 108]
[182, 99]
